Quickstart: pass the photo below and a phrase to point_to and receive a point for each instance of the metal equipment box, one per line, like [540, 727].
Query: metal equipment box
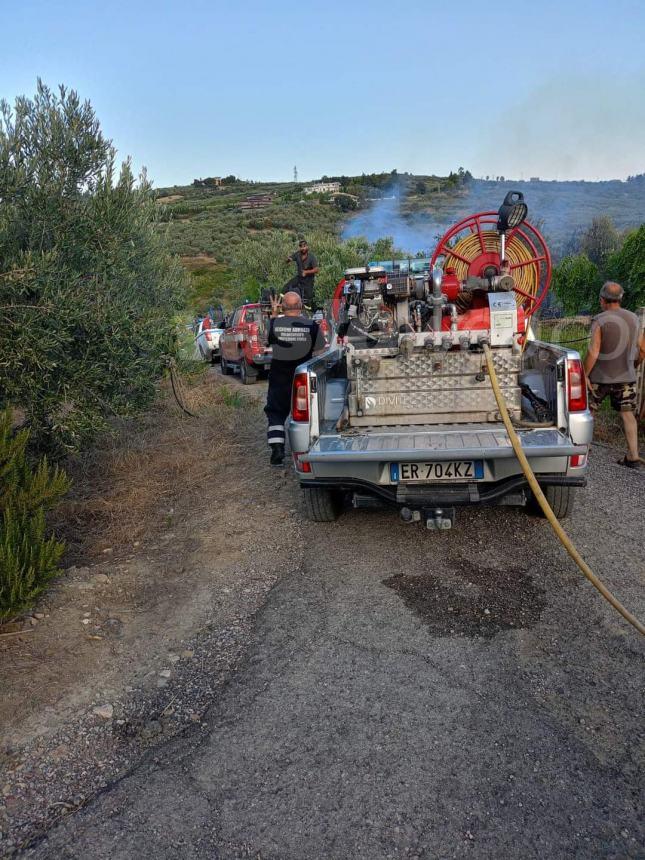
[427, 387]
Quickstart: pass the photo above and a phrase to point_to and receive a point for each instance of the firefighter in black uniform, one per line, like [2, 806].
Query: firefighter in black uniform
[294, 338]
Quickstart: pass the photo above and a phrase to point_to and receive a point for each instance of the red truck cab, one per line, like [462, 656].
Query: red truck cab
[244, 343]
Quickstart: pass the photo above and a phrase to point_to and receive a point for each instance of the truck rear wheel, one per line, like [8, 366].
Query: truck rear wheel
[322, 505]
[248, 375]
[223, 363]
[560, 498]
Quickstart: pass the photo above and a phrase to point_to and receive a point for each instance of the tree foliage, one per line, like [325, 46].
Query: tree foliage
[384, 249]
[460, 178]
[372, 180]
[29, 557]
[576, 281]
[627, 266]
[577, 278]
[345, 202]
[87, 291]
[600, 240]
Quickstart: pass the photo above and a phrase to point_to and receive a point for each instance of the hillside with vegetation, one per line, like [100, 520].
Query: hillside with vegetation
[230, 250]
[211, 233]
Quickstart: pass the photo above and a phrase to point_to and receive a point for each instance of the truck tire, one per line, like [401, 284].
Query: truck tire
[224, 366]
[560, 498]
[321, 504]
[248, 376]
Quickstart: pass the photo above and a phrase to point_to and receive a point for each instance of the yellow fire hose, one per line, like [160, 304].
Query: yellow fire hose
[539, 495]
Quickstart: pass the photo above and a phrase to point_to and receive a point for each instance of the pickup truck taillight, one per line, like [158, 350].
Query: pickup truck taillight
[253, 333]
[576, 386]
[300, 397]
[300, 465]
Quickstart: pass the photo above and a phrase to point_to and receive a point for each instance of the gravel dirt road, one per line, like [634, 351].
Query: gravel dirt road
[412, 694]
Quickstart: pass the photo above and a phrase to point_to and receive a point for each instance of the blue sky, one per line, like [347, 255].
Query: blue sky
[554, 89]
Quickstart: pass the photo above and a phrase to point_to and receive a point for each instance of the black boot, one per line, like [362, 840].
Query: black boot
[277, 454]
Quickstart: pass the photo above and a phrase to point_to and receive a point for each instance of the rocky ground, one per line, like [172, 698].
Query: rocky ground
[358, 689]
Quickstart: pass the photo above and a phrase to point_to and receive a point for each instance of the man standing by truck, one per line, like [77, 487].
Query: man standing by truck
[615, 350]
[294, 339]
[308, 268]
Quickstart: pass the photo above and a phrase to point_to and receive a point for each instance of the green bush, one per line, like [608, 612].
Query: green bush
[576, 282]
[627, 266]
[577, 279]
[28, 556]
[345, 202]
[87, 289]
[600, 240]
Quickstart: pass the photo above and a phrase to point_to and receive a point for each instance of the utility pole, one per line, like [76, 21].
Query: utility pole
[295, 174]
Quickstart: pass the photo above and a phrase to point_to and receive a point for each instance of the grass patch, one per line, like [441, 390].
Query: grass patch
[231, 398]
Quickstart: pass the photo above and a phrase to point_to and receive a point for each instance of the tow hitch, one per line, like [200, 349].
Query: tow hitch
[434, 518]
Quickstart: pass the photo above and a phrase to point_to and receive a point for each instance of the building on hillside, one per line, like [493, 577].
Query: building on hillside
[323, 188]
[209, 182]
[256, 201]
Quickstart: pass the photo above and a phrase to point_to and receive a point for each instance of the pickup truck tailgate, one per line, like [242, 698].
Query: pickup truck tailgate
[440, 443]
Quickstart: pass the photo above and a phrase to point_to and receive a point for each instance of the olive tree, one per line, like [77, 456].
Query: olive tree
[87, 289]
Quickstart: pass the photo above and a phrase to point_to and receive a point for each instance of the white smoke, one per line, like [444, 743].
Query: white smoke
[383, 218]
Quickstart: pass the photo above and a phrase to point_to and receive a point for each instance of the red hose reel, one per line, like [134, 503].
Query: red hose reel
[472, 247]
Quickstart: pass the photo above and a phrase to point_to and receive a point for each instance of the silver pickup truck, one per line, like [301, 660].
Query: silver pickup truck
[407, 418]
